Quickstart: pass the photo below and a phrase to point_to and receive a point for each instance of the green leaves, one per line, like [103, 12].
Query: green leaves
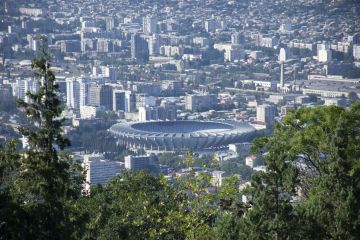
[311, 179]
[40, 201]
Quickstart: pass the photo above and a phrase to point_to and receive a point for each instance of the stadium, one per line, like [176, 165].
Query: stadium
[181, 135]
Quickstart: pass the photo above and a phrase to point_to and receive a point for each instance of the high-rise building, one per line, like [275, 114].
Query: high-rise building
[109, 72]
[106, 97]
[356, 52]
[139, 48]
[94, 94]
[149, 25]
[166, 111]
[77, 92]
[265, 114]
[283, 55]
[110, 23]
[238, 38]
[151, 89]
[210, 25]
[200, 102]
[154, 45]
[118, 101]
[148, 113]
[98, 170]
[323, 52]
[84, 92]
[23, 86]
[72, 93]
[123, 101]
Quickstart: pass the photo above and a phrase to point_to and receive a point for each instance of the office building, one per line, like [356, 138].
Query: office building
[106, 97]
[94, 94]
[139, 48]
[149, 25]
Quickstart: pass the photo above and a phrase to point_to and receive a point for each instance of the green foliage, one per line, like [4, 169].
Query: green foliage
[170, 159]
[310, 181]
[44, 184]
[96, 139]
[237, 166]
[136, 205]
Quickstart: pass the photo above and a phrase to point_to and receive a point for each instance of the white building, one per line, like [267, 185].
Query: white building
[98, 170]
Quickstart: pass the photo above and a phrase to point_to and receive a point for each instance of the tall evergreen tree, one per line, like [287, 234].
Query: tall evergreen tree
[46, 181]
